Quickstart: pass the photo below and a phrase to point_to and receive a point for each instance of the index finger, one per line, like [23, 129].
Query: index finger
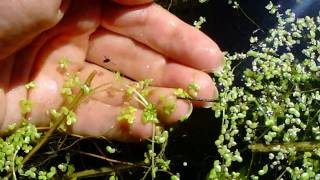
[131, 2]
[157, 28]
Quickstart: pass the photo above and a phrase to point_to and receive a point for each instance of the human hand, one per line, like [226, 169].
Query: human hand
[142, 42]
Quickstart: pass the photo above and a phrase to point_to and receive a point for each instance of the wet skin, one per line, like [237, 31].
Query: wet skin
[137, 38]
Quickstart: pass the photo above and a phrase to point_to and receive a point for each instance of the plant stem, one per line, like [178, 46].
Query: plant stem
[250, 19]
[102, 171]
[278, 178]
[72, 106]
[299, 146]
[250, 166]
[153, 154]
[109, 159]
[310, 124]
[91, 172]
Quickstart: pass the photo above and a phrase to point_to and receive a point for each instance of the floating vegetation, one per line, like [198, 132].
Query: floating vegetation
[270, 121]
[274, 115]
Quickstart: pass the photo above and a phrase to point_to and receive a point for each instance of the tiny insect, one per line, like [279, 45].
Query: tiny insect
[106, 60]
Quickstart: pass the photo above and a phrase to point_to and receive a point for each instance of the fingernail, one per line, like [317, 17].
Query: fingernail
[190, 109]
[216, 61]
[207, 105]
[217, 69]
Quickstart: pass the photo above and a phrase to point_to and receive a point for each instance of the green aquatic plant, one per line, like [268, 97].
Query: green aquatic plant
[269, 114]
[24, 142]
[128, 114]
[274, 113]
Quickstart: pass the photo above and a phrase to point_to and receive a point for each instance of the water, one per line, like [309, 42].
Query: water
[193, 141]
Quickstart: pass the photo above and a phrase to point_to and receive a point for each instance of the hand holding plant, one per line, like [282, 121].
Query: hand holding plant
[75, 39]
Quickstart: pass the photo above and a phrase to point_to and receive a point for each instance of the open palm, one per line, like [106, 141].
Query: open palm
[141, 41]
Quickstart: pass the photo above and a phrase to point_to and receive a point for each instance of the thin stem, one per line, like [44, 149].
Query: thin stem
[100, 171]
[223, 118]
[159, 154]
[91, 172]
[281, 174]
[13, 164]
[153, 157]
[250, 19]
[251, 163]
[43, 128]
[67, 147]
[139, 101]
[310, 124]
[144, 101]
[145, 174]
[199, 99]
[109, 159]
[311, 90]
[299, 146]
[72, 106]
[100, 86]
[63, 141]
[261, 135]
[169, 6]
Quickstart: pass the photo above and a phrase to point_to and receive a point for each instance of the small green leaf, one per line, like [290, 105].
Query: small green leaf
[127, 114]
[25, 106]
[150, 114]
[110, 149]
[30, 85]
[64, 63]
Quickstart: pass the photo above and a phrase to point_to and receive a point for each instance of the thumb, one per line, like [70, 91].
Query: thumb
[22, 21]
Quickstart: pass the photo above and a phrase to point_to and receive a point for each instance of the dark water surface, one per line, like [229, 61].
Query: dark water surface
[193, 141]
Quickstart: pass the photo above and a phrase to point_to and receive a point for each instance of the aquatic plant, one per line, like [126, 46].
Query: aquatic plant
[268, 107]
[273, 114]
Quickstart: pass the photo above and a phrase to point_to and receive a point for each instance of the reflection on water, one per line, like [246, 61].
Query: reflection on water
[301, 7]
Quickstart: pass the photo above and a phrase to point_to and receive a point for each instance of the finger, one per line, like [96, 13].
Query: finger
[139, 62]
[95, 118]
[5, 74]
[169, 108]
[41, 57]
[70, 40]
[3, 105]
[21, 21]
[157, 28]
[132, 2]
[16, 73]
